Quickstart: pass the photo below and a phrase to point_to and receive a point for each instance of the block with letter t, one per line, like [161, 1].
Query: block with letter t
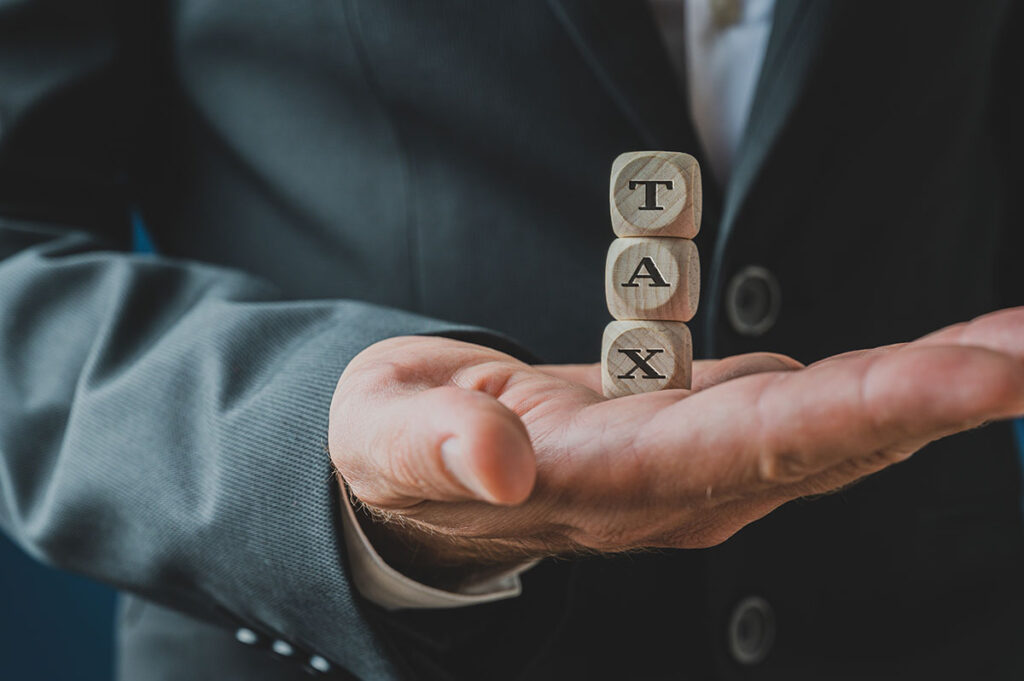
[655, 193]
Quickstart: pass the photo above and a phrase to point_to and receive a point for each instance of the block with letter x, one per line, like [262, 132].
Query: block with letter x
[641, 356]
[652, 274]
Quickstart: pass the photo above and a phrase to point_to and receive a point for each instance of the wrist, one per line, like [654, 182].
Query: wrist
[440, 559]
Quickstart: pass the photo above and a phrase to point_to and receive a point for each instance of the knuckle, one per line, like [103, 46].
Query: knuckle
[363, 377]
[783, 467]
[388, 362]
[706, 538]
[491, 377]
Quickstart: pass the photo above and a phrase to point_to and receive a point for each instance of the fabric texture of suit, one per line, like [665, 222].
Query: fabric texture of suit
[319, 175]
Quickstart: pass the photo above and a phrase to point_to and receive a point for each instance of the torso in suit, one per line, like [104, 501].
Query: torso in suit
[451, 160]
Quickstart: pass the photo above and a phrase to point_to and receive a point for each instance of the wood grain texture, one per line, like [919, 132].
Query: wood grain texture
[643, 356]
[655, 193]
[653, 278]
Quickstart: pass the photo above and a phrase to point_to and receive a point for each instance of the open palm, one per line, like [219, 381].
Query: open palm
[488, 460]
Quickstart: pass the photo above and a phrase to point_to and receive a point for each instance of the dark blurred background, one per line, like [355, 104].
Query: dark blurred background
[53, 625]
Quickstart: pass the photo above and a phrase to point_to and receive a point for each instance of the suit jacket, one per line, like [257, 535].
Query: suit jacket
[318, 176]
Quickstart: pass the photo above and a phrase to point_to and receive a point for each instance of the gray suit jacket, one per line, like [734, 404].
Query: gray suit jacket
[319, 175]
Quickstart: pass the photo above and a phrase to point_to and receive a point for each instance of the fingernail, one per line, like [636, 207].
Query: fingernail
[455, 461]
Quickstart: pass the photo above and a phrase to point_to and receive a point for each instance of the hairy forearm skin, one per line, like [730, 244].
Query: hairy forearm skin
[447, 561]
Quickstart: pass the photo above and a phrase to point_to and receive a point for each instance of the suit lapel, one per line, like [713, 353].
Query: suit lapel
[797, 31]
[622, 45]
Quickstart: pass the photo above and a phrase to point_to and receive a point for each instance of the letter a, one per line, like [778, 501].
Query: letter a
[653, 273]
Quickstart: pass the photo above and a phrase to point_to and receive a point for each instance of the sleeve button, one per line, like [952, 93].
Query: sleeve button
[283, 648]
[320, 664]
[246, 636]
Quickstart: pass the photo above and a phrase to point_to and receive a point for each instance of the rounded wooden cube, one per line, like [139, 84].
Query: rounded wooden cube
[654, 278]
[655, 193]
[642, 356]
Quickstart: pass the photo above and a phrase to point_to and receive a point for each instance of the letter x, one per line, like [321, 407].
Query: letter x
[641, 363]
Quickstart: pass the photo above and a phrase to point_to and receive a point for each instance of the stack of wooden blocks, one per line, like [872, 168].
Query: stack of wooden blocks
[652, 275]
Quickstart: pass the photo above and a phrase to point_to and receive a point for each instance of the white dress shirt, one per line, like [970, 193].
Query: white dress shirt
[719, 45]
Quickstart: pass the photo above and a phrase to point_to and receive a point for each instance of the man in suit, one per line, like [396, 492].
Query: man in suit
[390, 192]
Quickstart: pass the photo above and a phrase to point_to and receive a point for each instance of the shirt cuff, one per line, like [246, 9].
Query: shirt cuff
[380, 583]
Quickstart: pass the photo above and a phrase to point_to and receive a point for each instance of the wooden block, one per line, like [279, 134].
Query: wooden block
[655, 193]
[654, 278]
[641, 356]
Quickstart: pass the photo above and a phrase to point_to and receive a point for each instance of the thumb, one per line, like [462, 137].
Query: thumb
[440, 444]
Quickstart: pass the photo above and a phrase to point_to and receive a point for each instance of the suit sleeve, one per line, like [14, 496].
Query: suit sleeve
[163, 423]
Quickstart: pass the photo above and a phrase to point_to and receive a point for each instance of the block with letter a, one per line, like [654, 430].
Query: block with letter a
[652, 274]
[652, 278]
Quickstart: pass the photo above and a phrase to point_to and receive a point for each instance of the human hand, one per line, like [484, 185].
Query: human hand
[479, 460]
